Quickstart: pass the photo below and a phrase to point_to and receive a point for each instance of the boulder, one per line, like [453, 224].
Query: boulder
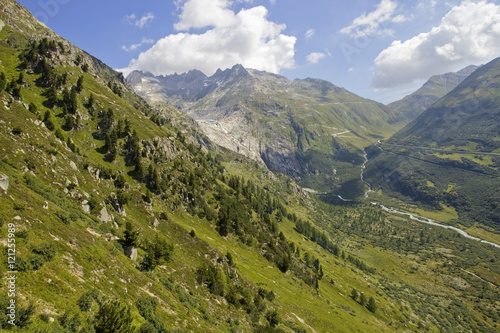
[86, 206]
[104, 217]
[4, 182]
[131, 252]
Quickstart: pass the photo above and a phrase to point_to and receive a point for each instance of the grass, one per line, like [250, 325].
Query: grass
[446, 214]
[483, 233]
[480, 159]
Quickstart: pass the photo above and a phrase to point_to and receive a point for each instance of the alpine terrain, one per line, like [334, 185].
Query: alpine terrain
[119, 214]
[450, 154]
[308, 129]
[411, 106]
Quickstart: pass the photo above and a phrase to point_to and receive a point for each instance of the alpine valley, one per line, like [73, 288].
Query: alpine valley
[189, 203]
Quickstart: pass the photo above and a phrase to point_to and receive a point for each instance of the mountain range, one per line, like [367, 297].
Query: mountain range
[308, 129]
[127, 217]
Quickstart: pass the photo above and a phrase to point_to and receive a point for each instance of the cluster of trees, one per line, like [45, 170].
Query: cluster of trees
[221, 280]
[158, 252]
[111, 130]
[320, 237]
[115, 88]
[370, 303]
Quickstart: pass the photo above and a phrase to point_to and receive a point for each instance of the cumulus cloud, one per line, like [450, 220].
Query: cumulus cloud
[134, 47]
[205, 13]
[246, 37]
[141, 22]
[369, 23]
[315, 57]
[469, 33]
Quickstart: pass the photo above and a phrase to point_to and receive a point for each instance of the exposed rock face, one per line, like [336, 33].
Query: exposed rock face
[131, 252]
[116, 205]
[268, 117]
[104, 217]
[283, 160]
[4, 182]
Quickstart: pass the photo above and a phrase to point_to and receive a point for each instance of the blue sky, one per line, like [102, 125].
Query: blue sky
[382, 49]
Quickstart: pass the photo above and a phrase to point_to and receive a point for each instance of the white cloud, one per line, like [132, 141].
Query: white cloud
[310, 33]
[132, 19]
[468, 34]
[246, 37]
[398, 18]
[315, 57]
[205, 13]
[369, 23]
[134, 47]
[144, 20]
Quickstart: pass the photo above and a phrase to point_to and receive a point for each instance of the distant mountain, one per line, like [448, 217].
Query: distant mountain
[309, 129]
[451, 152]
[467, 116]
[411, 106]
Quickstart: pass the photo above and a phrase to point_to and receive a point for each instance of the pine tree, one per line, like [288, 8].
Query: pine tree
[3, 81]
[354, 294]
[51, 95]
[47, 120]
[90, 102]
[69, 122]
[130, 235]
[362, 299]
[79, 84]
[372, 305]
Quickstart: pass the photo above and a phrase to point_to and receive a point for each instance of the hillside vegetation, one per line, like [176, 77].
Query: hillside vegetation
[127, 219]
[454, 145]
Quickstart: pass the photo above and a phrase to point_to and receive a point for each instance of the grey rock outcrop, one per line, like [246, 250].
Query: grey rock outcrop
[104, 216]
[4, 182]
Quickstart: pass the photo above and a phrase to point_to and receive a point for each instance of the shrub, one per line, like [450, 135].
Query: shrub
[114, 317]
[85, 301]
[70, 322]
[147, 306]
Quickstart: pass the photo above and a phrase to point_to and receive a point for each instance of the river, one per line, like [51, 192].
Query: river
[426, 220]
[414, 217]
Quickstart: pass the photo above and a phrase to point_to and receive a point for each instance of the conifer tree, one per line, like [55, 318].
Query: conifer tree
[131, 235]
[372, 305]
[3, 81]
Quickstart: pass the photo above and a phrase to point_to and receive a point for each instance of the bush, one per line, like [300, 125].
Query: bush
[147, 327]
[23, 315]
[85, 301]
[70, 322]
[17, 130]
[147, 306]
[114, 317]
[273, 318]
[46, 250]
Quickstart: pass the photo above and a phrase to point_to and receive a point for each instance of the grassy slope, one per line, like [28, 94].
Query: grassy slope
[88, 256]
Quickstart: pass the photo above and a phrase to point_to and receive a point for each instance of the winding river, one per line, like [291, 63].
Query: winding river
[426, 220]
[414, 217]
